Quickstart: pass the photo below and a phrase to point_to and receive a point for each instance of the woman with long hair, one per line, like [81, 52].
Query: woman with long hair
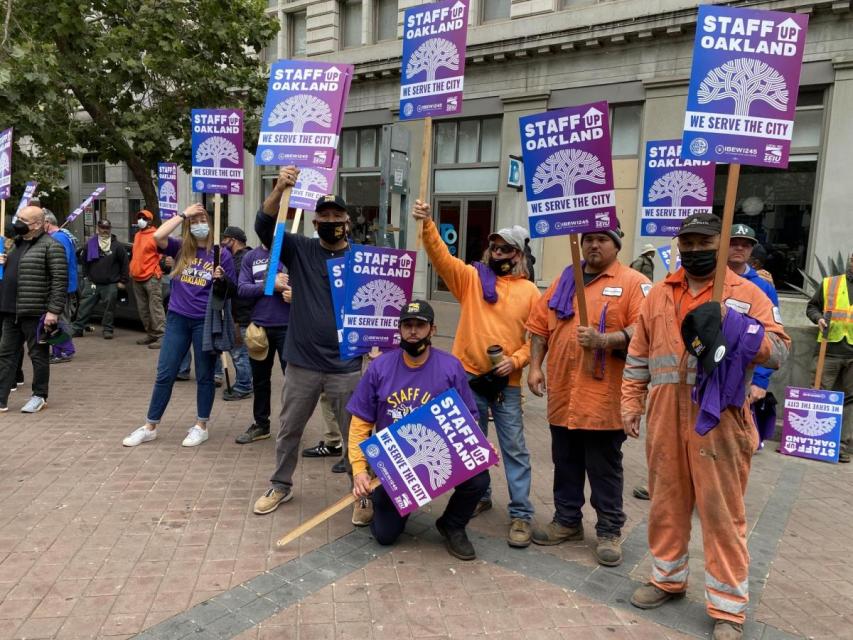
[193, 278]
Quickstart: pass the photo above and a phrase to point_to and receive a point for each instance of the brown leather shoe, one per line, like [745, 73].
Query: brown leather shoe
[725, 630]
[608, 551]
[362, 512]
[519, 533]
[651, 597]
[555, 533]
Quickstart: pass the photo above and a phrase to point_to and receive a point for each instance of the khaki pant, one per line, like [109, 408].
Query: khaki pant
[149, 304]
[838, 376]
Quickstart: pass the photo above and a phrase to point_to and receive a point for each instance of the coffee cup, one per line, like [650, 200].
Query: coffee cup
[496, 354]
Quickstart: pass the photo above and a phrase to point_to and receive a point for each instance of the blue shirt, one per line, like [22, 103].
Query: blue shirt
[761, 376]
[62, 238]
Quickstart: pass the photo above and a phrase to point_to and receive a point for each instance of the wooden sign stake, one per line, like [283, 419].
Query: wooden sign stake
[579, 288]
[673, 250]
[821, 356]
[426, 159]
[726, 232]
[321, 517]
[2, 235]
[297, 218]
[217, 215]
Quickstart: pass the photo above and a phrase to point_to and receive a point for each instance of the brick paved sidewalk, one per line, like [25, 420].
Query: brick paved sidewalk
[97, 540]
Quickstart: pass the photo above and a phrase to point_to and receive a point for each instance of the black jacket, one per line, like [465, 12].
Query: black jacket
[42, 277]
[109, 268]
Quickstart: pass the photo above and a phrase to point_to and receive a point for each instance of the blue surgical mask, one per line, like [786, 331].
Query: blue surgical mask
[200, 230]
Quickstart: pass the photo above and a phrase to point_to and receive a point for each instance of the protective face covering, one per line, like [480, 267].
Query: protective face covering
[104, 243]
[200, 230]
[20, 228]
[502, 266]
[415, 349]
[331, 232]
[141, 223]
[699, 263]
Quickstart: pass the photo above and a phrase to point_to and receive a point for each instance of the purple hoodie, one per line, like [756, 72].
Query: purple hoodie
[269, 311]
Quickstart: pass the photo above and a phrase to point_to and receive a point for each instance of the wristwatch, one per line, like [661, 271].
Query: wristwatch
[182, 215]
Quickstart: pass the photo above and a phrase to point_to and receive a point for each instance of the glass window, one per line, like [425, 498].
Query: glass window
[807, 128]
[349, 148]
[297, 33]
[351, 23]
[490, 150]
[467, 180]
[445, 143]
[469, 141]
[778, 206]
[93, 169]
[625, 122]
[386, 20]
[367, 152]
[495, 10]
[361, 192]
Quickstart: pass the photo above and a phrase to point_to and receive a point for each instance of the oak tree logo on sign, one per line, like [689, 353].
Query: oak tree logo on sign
[217, 149]
[167, 192]
[312, 178]
[431, 56]
[678, 185]
[379, 294]
[565, 169]
[430, 451]
[300, 110]
[810, 424]
[746, 81]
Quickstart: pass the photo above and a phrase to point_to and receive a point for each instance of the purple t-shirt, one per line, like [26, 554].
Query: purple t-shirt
[268, 311]
[390, 389]
[191, 287]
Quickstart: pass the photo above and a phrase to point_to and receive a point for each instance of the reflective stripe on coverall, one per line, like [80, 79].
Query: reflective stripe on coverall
[686, 469]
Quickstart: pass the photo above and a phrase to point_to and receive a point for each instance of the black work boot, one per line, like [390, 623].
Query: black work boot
[456, 541]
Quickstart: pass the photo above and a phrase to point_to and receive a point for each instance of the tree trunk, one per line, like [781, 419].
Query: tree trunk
[146, 183]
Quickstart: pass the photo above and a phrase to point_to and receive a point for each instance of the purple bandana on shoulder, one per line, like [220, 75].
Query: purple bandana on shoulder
[488, 280]
[92, 249]
[562, 299]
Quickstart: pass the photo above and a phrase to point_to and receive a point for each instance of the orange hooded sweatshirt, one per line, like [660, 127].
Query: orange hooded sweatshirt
[145, 259]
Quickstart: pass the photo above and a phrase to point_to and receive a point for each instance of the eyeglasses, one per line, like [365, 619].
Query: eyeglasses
[503, 249]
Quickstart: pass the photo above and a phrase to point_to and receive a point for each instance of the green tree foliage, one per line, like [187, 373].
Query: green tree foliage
[119, 77]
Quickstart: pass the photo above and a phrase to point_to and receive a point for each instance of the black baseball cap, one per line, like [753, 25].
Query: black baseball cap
[706, 224]
[105, 224]
[234, 232]
[418, 310]
[744, 231]
[702, 332]
[330, 201]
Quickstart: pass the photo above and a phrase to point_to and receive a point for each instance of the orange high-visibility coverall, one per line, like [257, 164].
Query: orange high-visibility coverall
[686, 469]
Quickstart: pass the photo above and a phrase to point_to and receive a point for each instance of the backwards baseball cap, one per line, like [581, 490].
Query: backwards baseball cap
[514, 236]
[330, 201]
[706, 224]
[418, 310]
[234, 232]
[744, 231]
[615, 234]
[703, 337]
[105, 224]
[144, 213]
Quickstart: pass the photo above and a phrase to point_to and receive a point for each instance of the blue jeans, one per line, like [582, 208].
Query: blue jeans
[181, 333]
[509, 424]
[242, 366]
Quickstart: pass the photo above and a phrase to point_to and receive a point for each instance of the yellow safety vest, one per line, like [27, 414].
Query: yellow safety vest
[837, 303]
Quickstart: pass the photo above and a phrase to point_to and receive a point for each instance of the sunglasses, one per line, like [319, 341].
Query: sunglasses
[503, 249]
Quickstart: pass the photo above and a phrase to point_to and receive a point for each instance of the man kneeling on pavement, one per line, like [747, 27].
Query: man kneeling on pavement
[394, 385]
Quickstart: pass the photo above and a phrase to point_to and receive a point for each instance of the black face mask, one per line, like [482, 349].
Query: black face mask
[20, 228]
[415, 349]
[331, 232]
[502, 267]
[699, 263]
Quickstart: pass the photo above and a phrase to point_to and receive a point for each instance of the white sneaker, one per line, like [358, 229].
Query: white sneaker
[195, 436]
[142, 434]
[34, 405]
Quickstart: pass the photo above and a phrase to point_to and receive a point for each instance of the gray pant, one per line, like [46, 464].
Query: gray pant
[838, 376]
[92, 296]
[302, 389]
[149, 304]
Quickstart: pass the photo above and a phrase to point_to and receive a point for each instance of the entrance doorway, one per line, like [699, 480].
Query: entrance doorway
[464, 224]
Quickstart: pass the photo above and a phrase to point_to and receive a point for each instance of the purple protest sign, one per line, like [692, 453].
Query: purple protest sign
[428, 452]
[743, 85]
[379, 283]
[86, 203]
[217, 141]
[313, 183]
[29, 190]
[433, 66]
[5, 164]
[812, 424]
[167, 189]
[673, 188]
[569, 186]
[303, 113]
[336, 268]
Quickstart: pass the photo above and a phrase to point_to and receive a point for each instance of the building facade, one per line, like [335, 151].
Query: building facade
[526, 56]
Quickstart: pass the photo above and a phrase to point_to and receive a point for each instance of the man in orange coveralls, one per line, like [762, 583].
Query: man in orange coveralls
[584, 388]
[686, 469]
